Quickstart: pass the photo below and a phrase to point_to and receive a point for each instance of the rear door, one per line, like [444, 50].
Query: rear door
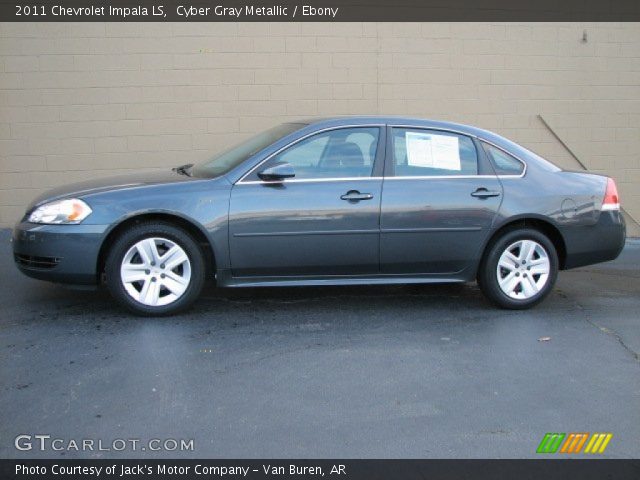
[439, 202]
[324, 221]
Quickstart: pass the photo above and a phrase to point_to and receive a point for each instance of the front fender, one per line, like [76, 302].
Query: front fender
[202, 206]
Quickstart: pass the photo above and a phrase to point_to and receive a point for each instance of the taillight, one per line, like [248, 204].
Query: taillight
[611, 198]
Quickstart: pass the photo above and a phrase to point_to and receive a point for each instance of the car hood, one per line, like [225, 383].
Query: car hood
[119, 182]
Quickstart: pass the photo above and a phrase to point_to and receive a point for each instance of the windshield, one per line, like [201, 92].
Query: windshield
[221, 163]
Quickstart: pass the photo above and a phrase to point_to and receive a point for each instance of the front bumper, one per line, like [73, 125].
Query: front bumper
[597, 243]
[58, 253]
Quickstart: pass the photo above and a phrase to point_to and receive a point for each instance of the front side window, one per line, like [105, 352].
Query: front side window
[503, 163]
[340, 153]
[428, 153]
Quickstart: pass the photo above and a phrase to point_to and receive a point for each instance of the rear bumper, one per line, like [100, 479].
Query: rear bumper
[586, 245]
[58, 253]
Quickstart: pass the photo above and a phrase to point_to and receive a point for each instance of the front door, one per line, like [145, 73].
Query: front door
[440, 199]
[323, 221]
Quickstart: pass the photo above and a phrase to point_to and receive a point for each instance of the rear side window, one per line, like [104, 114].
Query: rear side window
[429, 153]
[503, 163]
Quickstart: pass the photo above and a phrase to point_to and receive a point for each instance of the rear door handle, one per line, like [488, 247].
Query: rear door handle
[484, 193]
[356, 196]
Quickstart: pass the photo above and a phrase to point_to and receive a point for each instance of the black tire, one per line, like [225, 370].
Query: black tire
[139, 232]
[488, 274]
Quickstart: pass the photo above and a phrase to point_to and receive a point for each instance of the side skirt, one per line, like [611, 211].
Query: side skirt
[225, 279]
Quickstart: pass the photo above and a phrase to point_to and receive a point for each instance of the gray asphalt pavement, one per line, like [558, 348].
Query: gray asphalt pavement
[349, 372]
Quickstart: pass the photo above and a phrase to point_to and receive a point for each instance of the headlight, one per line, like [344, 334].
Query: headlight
[67, 211]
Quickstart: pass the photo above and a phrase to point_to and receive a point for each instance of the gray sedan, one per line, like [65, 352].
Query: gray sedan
[343, 201]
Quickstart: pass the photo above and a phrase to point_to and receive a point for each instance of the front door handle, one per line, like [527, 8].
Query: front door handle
[484, 193]
[356, 196]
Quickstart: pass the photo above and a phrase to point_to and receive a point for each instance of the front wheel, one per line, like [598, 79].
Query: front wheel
[155, 269]
[519, 269]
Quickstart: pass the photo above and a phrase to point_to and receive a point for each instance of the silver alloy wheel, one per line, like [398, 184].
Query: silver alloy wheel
[155, 271]
[523, 269]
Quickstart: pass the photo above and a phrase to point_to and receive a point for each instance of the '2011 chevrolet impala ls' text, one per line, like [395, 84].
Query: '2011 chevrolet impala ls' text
[342, 201]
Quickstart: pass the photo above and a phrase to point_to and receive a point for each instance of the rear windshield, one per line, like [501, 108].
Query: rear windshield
[542, 162]
[223, 162]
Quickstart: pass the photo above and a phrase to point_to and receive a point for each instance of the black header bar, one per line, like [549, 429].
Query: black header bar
[319, 10]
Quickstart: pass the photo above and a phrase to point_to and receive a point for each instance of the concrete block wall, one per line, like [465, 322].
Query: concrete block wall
[85, 100]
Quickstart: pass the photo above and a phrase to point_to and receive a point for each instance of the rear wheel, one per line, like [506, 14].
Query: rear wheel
[155, 269]
[519, 269]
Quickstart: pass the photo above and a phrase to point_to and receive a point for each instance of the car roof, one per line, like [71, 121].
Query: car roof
[395, 120]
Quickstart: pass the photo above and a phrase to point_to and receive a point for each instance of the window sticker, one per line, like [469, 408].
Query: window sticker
[433, 151]
[419, 152]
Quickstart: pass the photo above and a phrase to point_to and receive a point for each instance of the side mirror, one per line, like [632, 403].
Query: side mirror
[279, 171]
